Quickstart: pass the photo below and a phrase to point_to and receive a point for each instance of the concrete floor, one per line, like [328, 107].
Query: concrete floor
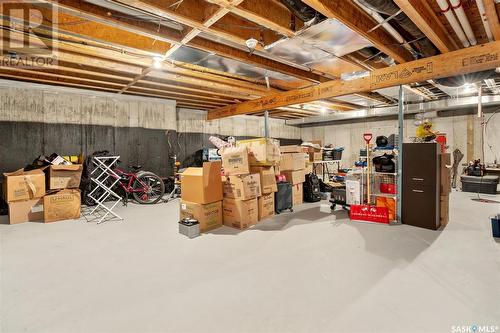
[311, 271]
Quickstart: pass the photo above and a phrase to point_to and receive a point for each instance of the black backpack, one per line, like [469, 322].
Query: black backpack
[311, 188]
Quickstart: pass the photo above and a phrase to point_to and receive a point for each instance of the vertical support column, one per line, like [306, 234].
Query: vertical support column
[266, 124]
[399, 202]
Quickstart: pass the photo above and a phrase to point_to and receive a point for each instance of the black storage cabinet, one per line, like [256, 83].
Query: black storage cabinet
[421, 185]
[283, 197]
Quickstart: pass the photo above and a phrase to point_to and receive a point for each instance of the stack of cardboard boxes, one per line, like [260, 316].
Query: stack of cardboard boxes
[293, 167]
[445, 188]
[25, 192]
[201, 195]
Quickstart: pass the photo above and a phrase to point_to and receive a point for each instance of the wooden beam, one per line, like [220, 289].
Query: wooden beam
[469, 60]
[427, 21]
[493, 20]
[359, 21]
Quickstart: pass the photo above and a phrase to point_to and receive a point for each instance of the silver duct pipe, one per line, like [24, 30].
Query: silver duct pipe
[440, 105]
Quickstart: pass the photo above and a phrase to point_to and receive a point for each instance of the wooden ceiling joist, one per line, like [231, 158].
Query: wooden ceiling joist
[493, 13]
[469, 60]
[360, 22]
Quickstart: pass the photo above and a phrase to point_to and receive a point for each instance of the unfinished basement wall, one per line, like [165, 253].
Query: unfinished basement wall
[459, 130]
[40, 119]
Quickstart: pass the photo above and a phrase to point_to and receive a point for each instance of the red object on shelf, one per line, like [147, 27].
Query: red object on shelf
[369, 213]
[388, 188]
[441, 139]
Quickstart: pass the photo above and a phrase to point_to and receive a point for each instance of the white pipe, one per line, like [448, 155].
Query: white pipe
[380, 20]
[464, 21]
[484, 18]
[446, 10]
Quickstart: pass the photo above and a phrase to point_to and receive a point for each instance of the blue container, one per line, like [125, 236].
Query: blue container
[495, 227]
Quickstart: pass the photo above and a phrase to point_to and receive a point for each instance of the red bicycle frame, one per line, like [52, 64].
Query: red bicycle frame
[129, 178]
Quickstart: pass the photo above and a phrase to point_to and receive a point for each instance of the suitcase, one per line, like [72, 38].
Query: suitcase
[311, 188]
[283, 197]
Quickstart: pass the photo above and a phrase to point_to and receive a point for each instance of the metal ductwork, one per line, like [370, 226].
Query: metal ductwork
[301, 10]
[460, 80]
[388, 8]
[374, 55]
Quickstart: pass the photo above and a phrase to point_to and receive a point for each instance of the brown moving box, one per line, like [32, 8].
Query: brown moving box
[62, 205]
[208, 215]
[241, 187]
[292, 161]
[235, 161]
[445, 186]
[202, 185]
[295, 177]
[267, 178]
[64, 176]
[240, 214]
[444, 210]
[26, 211]
[291, 149]
[315, 156]
[262, 151]
[297, 194]
[266, 205]
[23, 185]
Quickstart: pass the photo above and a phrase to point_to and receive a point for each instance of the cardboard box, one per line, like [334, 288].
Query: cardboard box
[202, 185]
[23, 185]
[444, 210]
[62, 205]
[235, 161]
[240, 214]
[297, 194]
[295, 177]
[445, 186]
[262, 151]
[309, 168]
[291, 149]
[64, 176]
[267, 178]
[241, 187]
[26, 211]
[266, 206]
[292, 161]
[208, 215]
[315, 156]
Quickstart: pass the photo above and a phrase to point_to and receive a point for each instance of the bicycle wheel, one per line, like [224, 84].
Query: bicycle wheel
[151, 188]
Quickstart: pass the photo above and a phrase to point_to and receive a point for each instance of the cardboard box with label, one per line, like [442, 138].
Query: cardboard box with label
[266, 206]
[292, 161]
[23, 185]
[235, 161]
[64, 176]
[241, 187]
[261, 151]
[26, 211]
[240, 214]
[291, 149]
[202, 185]
[208, 215]
[297, 194]
[62, 205]
[267, 178]
[295, 177]
[315, 156]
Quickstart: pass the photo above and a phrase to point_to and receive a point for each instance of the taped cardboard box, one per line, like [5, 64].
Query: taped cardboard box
[208, 215]
[267, 178]
[297, 194]
[64, 176]
[23, 185]
[26, 211]
[241, 187]
[62, 205]
[266, 205]
[315, 156]
[240, 214]
[292, 161]
[202, 185]
[291, 149]
[261, 151]
[235, 161]
[295, 177]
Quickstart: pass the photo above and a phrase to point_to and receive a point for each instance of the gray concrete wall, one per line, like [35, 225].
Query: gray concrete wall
[350, 135]
[40, 119]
